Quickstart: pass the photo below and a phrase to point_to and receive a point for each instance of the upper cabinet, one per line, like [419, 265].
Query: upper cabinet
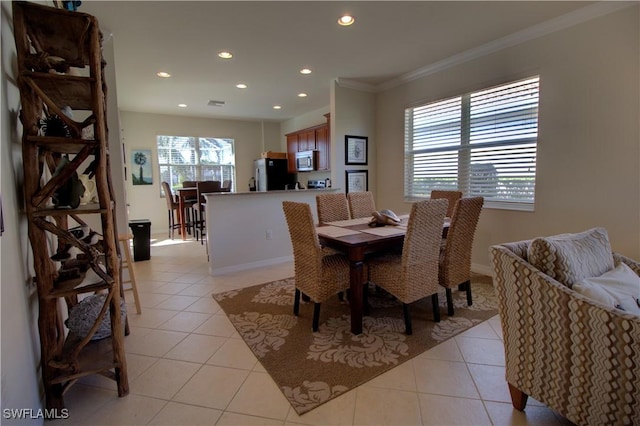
[323, 147]
[307, 140]
[292, 148]
[312, 138]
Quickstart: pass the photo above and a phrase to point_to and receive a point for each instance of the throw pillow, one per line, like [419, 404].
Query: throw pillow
[569, 258]
[619, 288]
[597, 293]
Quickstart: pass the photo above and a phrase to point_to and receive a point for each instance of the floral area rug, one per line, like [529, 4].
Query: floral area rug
[312, 368]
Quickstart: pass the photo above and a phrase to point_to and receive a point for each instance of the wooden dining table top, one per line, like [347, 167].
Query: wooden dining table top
[356, 238]
[358, 231]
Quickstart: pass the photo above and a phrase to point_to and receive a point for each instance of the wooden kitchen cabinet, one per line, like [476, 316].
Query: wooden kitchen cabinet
[312, 138]
[307, 140]
[323, 147]
[292, 148]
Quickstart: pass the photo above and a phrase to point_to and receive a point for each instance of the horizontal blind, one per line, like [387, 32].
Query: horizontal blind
[186, 158]
[176, 150]
[432, 138]
[217, 159]
[482, 143]
[505, 113]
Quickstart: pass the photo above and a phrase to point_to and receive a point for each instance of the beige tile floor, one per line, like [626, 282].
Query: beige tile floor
[188, 366]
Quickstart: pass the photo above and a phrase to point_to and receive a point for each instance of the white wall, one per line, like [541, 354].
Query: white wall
[354, 115]
[238, 224]
[588, 168]
[115, 146]
[19, 306]
[139, 131]
[271, 136]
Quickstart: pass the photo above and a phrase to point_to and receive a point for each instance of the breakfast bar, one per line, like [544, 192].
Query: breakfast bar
[248, 230]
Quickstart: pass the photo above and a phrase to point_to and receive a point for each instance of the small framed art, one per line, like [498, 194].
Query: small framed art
[141, 171]
[355, 150]
[357, 180]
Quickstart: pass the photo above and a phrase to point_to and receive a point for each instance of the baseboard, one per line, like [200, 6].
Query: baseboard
[250, 265]
[482, 269]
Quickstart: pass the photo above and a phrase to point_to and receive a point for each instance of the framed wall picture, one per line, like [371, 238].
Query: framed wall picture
[355, 150]
[141, 171]
[357, 180]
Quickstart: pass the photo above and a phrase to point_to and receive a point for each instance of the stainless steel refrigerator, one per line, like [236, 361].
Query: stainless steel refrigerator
[271, 174]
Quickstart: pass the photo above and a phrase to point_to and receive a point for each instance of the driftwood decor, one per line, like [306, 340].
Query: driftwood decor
[50, 44]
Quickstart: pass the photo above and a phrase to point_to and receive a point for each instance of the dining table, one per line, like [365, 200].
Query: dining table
[183, 195]
[356, 239]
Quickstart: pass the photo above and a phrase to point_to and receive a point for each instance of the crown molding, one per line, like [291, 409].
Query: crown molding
[357, 85]
[556, 24]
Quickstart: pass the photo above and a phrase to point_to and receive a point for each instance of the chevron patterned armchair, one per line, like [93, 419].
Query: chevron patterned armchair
[578, 356]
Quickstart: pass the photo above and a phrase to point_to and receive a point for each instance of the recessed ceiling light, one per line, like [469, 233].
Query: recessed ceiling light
[225, 55]
[302, 95]
[182, 105]
[163, 74]
[305, 71]
[346, 20]
[277, 107]
[241, 86]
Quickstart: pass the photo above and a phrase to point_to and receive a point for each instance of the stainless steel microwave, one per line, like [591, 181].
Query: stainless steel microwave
[306, 161]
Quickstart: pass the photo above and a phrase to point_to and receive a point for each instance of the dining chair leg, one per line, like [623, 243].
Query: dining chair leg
[316, 315]
[170, 212]
[407, 319]
[449, 302]
[296, 303]
[468, 288]
[436, 307]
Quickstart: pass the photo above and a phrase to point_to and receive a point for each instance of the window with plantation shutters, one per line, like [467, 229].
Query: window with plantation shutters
[482, 143]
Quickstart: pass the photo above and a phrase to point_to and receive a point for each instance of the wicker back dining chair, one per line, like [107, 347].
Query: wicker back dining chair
[455, 256]
[332, 207]
[451, 196]
[413, 274]
[226, 185]
[361, 204]
[172, 208]
[318, 274]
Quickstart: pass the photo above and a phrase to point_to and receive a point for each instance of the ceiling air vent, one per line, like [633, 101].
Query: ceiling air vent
[216, 103]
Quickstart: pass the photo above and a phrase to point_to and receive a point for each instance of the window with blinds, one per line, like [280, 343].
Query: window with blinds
[481, 143]
[183, 158]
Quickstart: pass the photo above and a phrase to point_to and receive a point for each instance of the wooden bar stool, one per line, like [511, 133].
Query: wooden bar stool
[128, 264]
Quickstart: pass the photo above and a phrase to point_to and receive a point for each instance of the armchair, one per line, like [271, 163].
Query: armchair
[576, 355]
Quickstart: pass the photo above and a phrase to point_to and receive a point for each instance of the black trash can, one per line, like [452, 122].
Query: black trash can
[141, 230]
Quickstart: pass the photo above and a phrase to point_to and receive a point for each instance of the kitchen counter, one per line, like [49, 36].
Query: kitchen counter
[276, 192]
[248, 229]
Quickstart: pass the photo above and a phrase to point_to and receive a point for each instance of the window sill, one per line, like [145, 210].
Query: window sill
[497, 205]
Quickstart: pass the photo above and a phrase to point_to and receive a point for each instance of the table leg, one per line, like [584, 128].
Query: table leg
[356, 280]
